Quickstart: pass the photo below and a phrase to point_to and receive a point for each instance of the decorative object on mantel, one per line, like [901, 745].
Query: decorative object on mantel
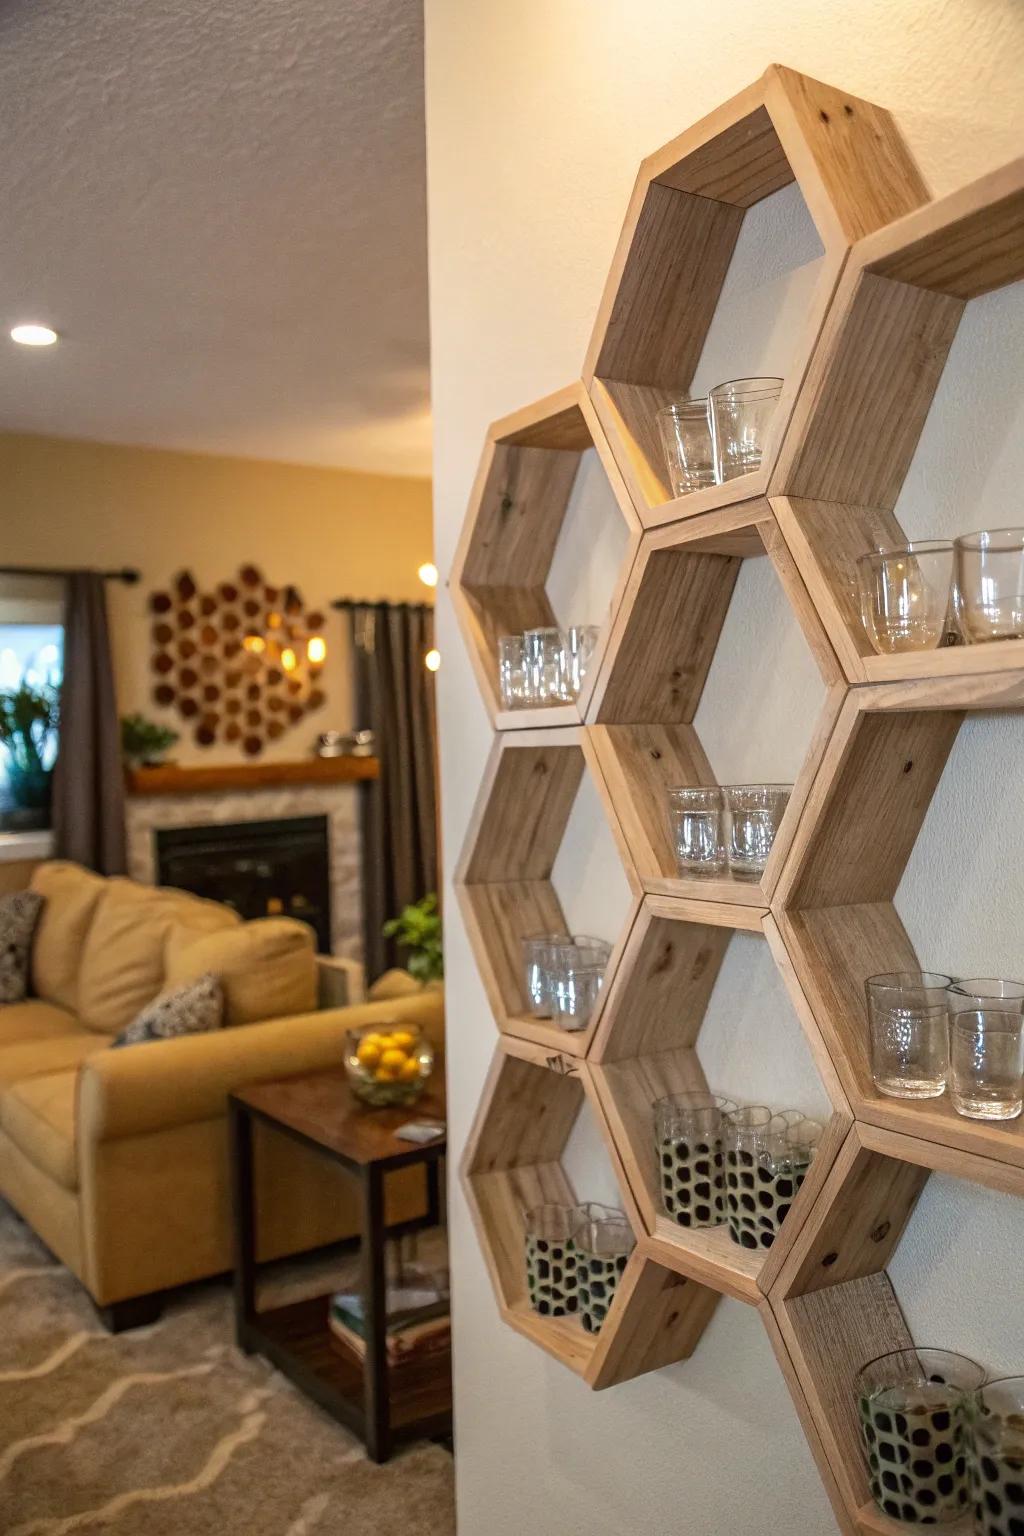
[345, 744]
[240, 663]
[144, 744]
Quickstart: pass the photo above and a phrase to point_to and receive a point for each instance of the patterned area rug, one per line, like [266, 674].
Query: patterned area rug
[170, 1431]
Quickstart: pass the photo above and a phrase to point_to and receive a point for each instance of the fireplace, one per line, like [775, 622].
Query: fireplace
[260, 868]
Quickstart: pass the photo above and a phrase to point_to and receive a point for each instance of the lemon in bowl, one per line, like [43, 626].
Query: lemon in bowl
[388, 1064]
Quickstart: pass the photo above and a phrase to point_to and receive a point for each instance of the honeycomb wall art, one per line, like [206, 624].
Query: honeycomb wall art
[898, 271]
[241, 662]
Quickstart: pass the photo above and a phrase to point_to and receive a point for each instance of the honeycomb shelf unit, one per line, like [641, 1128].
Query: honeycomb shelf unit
[868, 392]
[647, 1045]
[882, 320]
[513, 1160]
[678, 238]
[530, 464]
[660, 652]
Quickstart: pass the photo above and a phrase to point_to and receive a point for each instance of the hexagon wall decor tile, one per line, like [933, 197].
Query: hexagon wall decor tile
[869, 389]
[530, 465]
[648, 1044]
[837, 1309]
[659, 655]
[834, 904]
[504, 879]
[677, 242]
[513, 1160]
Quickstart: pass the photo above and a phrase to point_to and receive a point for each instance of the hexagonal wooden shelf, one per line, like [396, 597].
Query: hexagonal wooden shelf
[835, 1304]
[647, 1046]
[516, 511]
[503, 880]
[662, 644]
[674, 251]
[834, 902]
[868, 392]
[513, 1160]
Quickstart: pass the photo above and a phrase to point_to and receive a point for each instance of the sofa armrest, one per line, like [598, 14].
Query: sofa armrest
[162, 1083]
[339, 982]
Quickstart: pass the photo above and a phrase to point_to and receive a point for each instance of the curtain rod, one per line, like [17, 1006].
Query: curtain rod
[341, 603]
[128, 574]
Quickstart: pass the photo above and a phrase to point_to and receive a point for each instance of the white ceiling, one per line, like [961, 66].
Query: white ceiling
[221, 205]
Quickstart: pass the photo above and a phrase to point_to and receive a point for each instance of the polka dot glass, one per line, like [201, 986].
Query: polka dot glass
[602, 1253]
[551, 1260]
[688, 1141]
[996, 1458]
[913, 1406]
[767, 1156]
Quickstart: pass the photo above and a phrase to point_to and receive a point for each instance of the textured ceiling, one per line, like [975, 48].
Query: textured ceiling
[222, 208]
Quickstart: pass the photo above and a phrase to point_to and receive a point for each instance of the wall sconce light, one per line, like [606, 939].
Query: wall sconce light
[427, 573]
[432, 660]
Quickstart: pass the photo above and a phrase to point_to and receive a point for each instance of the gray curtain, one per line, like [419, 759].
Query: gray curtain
[88, 779]
[394, 695]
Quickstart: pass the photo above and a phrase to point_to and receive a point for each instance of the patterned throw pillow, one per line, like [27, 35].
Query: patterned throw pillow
[192, 1009]
[19, 913]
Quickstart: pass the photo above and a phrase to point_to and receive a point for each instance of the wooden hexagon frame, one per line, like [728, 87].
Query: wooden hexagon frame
[874, 766]
[517, 507]
[868, 392]
[678, 238]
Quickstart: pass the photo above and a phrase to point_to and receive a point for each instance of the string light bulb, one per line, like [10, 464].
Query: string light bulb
[254, 644]
[427, 573]
[316, 649]
[289, 660]
[432, 660]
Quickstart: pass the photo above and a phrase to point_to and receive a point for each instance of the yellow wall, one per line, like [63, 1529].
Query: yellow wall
[332, 533]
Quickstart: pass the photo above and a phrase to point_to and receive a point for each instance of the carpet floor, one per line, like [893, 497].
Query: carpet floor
[170, 1431]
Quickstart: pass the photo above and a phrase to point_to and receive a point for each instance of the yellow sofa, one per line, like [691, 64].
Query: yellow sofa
[119, 1159]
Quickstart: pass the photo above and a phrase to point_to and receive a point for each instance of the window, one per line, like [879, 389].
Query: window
[32, 657]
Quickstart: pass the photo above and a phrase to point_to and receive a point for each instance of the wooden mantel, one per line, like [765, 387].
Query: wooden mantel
[171, 779]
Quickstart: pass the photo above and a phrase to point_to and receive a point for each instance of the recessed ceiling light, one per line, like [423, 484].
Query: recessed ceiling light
[33, 335]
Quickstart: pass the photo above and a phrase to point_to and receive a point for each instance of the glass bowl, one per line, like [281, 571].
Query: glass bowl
[388, 1063]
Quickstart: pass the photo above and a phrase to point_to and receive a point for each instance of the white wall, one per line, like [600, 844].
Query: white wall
[538, 114]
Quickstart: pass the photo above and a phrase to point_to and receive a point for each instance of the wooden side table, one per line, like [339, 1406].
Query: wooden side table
[382, 1405]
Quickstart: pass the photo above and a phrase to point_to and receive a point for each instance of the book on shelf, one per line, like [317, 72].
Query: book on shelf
[418, 1322]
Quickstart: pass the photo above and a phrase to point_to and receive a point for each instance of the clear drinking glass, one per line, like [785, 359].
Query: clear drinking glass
[602, 1250]
[547, 681]
[580, 640]
[986, 1063]
[551, 1259]
[995, 1457]
[695, 820]
[905, 596]
[909, 1033]
[512, 678]
[686, 439]
[753, 813]
[741, 412]
[577, 987]
[988, 586]
[914, 1407]
[539, 952]
[973, 992]
[688, 1141]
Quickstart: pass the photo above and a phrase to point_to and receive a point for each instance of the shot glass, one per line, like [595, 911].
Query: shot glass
[551, 1259]
[792, 1145]
[695, 822]
[512, 675]
[907, 1019]
[905, 596]
[602, 1248]
[995, 1457]
[986, 1063]
[753, 814]
[686, 440]
[545, 666]
[741, 412]
[988, 585]
[688, 1142]
[914, 1408]
[580, 640]
[539, 952]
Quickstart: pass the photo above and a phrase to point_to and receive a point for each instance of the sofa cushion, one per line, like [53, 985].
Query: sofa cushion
[72, 895]
[393, 983]
[32, 1058]
[19, 914]
[35, 1020]
[267, 968]
[39, 1117]
[193, 1008]
[122, 962]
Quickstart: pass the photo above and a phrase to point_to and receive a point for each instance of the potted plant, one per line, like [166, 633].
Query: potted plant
[28, 727]
[418, 930]
[143, 742]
